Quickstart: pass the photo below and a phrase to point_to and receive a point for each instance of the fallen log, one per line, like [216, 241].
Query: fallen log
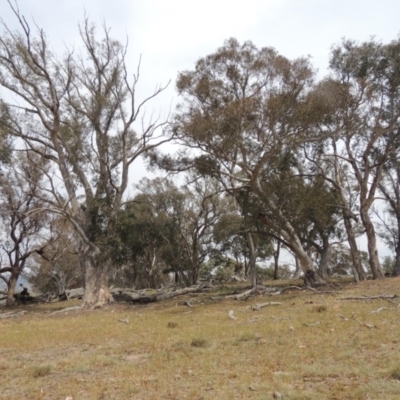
[11, 314]
[242, 296]
[75, 293]
[169, 295]
[66, 310]
[382, 296]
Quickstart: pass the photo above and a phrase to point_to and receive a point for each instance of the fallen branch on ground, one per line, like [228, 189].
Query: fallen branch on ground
[242, 296]
[11, 314]
[382, 296]
[258, 307]
[312, 324]
[303, 288]
[380, 309]
[369, 326]
[65, 310]
[280, 319]
[167, 295]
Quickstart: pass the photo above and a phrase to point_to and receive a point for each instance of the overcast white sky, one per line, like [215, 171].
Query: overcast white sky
[172, 34]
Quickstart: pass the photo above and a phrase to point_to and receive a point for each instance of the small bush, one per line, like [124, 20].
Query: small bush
[199, 342]
[247, 337]
[395, 374]
[43, 370]
[320, 309]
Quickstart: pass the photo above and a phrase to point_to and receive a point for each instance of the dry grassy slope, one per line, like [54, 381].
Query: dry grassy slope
[313, 346]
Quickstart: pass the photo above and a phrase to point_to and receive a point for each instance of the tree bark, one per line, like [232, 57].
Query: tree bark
[96, 274]
[252, 261]
[376, 268]
[276, 259]
[357, 268]
[324, 253]
[11, 289]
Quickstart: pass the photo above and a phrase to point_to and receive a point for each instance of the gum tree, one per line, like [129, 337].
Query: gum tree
[243, 109]
[24, 226]
[369, 76]
[79, 111]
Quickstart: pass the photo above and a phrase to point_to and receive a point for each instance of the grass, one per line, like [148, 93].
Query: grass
[313, 346]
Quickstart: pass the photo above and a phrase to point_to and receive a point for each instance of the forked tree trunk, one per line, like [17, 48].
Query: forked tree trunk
[96, 274]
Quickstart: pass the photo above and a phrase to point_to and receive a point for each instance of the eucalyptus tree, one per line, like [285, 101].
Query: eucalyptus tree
[139, 255]
[369, 75]
[191, 212]
[79, 111]
[243, 109]
[326, 159]
[24, 222]
[389, 187]
[237, 235]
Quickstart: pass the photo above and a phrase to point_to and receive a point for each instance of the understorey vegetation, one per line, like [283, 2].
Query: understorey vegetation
[267, 160]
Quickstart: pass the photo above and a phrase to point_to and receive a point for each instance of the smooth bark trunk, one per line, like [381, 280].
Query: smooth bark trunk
[357, 268]
[252, 260]
[376, 268]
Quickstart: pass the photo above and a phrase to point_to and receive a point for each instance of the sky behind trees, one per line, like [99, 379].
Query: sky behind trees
[172, 35]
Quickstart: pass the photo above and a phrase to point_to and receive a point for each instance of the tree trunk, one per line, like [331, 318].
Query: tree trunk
[323, 263]
[252, 260]
[357, 268]
[12, 282]
[376, 268]
[276, 260]
[297, 271]
[96, 275]
[396, 269]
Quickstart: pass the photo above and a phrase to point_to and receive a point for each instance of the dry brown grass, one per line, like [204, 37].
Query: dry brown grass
[313, 346]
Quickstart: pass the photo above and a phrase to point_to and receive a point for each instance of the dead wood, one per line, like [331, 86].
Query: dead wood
[382, 296]
[380, 309]
[155, 297]
[67, 309]
[75, 293]
[242, 296]
[369, 326]
[258, 307]
[231, 315]
[11, 314]
[303, 288]
[312, 324]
